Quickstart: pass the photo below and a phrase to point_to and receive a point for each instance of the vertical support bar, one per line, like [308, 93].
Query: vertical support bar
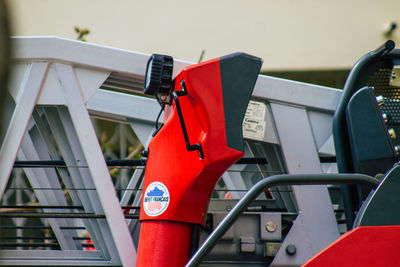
[97, 165]
[44, 133]
[66, 137]
[301, 157]
[25, 103]
[133, 183]
[39, 178]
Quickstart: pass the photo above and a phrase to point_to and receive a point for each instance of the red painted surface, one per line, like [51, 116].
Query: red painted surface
[376, 246]
[90, 242]
[189, 178]
[164, 244]
[165, 238]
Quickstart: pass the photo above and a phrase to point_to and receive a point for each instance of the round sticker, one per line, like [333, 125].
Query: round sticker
[156, 199]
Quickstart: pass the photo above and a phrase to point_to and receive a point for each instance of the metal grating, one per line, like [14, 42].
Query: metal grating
[380, 80]
[125, 83]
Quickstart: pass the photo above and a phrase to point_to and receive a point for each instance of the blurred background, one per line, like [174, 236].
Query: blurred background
[310, 41]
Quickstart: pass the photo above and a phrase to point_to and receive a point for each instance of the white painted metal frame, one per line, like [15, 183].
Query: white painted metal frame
[316, 222]
[71, 74]
[25, 102]
[64, 73]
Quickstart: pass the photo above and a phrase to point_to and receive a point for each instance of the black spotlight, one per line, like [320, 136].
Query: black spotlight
[158, 81]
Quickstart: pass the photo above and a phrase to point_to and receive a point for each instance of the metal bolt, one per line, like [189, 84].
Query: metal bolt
[397, 149]
[380, 100]
[290, 249]
[392, 133]
[271, 226]
[385, 117]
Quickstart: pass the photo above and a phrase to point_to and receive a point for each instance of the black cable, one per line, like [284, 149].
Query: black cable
[55, 215]
[61, 163]
[158, 128]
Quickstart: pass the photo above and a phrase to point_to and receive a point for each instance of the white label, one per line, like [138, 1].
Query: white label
[156, 199]
[254, 121]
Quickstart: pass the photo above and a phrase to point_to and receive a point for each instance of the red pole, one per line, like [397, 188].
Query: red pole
[164, 243]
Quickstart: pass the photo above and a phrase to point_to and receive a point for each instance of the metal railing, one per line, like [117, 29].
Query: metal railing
[285, 179]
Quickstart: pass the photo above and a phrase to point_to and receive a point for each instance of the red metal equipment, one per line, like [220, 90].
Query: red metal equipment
[201, 137]
[364, 246]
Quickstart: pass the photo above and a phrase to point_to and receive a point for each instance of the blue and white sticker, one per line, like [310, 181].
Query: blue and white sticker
[156, 199]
